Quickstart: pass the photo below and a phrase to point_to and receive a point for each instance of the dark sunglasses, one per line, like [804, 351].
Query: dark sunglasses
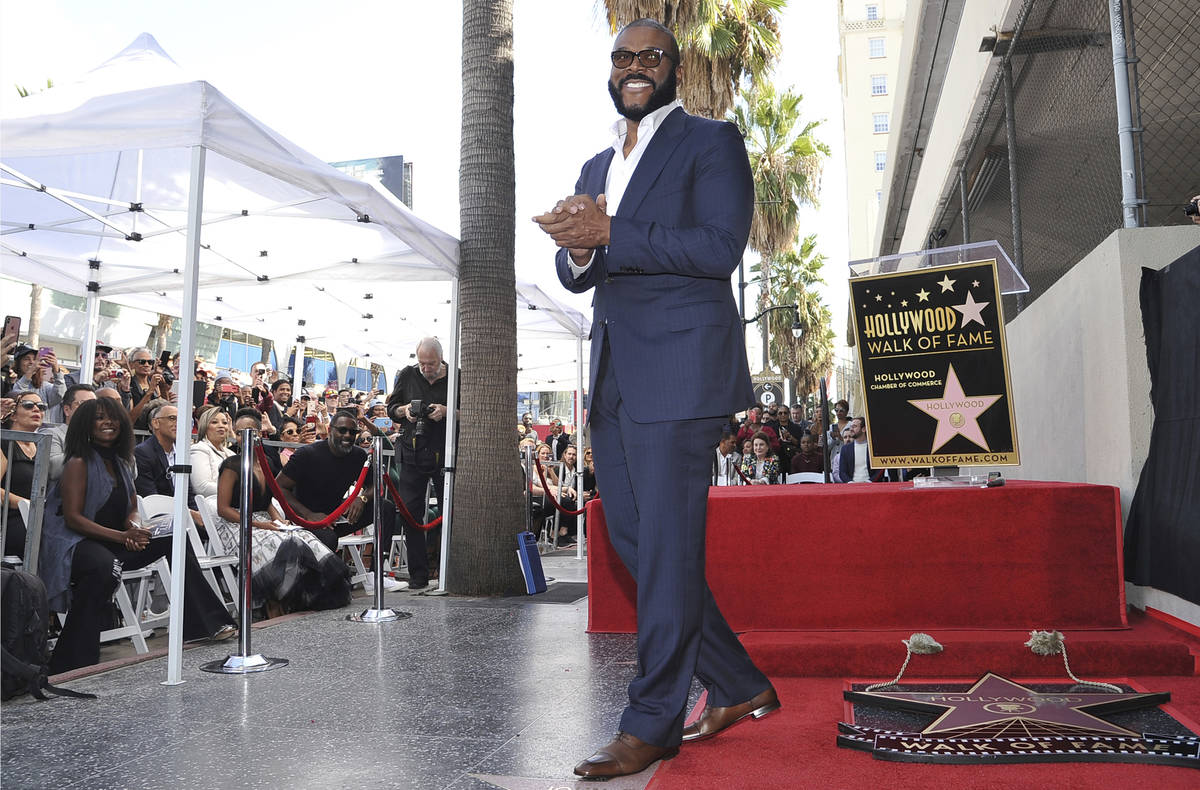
[28, 404]
[141, 361]
[351, 429]
[650, 58]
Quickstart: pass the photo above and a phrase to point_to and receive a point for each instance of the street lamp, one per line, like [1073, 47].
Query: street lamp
[797, 327]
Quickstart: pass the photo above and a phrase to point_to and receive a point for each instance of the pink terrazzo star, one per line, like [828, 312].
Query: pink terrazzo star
[956, 413]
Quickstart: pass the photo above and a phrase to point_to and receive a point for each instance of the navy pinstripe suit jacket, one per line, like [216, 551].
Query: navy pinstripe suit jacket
[663, 297]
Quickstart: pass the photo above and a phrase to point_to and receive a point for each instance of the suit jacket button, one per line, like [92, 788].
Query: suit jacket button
[608, 279]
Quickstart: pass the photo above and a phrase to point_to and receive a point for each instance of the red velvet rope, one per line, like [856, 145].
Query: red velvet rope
[402, 508]
[295, 517]
[738, 468]
[546, 488]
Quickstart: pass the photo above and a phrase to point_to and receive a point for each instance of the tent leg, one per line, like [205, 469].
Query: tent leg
[451, 429]
[87, 352]
[581, 522]
[298, 370]
[183, 428]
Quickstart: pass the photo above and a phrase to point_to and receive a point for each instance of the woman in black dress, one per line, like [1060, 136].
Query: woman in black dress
[29, 411]
[92, 533]
[291, 569]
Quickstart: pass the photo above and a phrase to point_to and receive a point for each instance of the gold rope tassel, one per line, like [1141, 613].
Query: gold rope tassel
[1049, 643]
[921, 644]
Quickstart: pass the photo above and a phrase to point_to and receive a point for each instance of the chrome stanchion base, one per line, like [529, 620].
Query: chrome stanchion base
[244, 665]
[378, 616]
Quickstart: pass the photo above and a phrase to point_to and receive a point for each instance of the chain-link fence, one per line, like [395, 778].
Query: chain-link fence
[1060, 88]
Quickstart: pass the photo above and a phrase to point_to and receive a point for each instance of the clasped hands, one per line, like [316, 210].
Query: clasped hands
[578, 224]
[136, 537]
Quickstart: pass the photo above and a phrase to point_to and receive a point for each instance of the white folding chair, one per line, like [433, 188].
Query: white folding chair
[353, 543]
[805, 477]
[216, 557]
[398, 558]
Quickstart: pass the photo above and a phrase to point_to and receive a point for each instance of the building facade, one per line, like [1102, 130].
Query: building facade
[871, 33]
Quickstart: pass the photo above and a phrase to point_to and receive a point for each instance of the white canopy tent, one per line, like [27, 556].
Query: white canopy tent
[138, 186]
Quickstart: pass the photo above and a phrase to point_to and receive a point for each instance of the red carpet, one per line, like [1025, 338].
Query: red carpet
[1044, 555]
[796, 748]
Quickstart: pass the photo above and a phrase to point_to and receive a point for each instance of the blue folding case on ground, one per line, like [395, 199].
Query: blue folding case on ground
[531, 563]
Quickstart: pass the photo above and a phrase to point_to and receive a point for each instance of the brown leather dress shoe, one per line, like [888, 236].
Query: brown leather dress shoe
[624, 755]
[714, 719]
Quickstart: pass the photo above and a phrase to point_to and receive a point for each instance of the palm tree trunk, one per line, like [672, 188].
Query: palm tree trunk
[35, 316]
[157, 340]
[488, 510]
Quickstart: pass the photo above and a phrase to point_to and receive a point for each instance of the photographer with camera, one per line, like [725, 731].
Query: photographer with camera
[418, 407]
[1192, 210]
[225, 394]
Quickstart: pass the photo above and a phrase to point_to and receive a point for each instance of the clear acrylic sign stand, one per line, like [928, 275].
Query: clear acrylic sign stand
[1011, 282]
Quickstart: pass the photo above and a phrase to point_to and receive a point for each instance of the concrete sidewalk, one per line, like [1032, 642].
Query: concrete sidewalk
[465, 694]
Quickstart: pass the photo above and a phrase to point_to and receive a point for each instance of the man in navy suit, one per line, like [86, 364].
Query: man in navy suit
[153, 467]
[668, 366]
[854, 460]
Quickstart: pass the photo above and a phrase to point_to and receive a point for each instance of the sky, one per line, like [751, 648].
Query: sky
[383, 77]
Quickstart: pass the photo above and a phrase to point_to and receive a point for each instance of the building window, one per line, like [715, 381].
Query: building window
[875, 48]
[872, 12]
[879, 85]
[238, 351]
[879, 122]
[320, 368]
[358, 378]
[880, 161]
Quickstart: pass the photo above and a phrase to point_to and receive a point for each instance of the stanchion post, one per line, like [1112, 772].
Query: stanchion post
[245, 662]
[824, 413]
[528, 451]
[377, 613]
[245, 506]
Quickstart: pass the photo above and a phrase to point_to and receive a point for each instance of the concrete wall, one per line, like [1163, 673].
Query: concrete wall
[1077, 359]
[1081, 387]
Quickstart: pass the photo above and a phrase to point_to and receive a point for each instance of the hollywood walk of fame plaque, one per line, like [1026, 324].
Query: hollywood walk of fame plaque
[996, 720]
[934, 363]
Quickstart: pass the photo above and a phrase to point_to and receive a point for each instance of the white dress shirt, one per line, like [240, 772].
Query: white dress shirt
[725, 466]
[622, 167]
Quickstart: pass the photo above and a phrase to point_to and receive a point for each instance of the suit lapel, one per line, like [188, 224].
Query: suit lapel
[664, 142]
[598, 177]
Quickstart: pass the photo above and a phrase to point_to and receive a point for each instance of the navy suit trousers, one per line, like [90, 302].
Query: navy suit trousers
[653, 479]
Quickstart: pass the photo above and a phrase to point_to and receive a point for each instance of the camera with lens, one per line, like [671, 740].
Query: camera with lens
[1192, 209]
[420, 410]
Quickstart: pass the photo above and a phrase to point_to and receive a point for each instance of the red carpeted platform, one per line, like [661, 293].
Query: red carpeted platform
[1148, 647]
[796, 748]
[824, 581]
[889, 556]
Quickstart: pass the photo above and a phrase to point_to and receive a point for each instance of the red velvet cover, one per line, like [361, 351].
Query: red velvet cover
[884, 555]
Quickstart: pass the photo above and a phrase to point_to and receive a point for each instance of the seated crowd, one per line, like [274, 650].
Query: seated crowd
[112, 440]
[772, 442]
[557, 453]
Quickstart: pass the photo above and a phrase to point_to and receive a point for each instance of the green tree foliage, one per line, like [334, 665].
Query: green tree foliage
[795, 275]
[723, 44]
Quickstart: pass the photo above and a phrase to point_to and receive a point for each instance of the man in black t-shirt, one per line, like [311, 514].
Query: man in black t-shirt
[317, 477]
[420, 447]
